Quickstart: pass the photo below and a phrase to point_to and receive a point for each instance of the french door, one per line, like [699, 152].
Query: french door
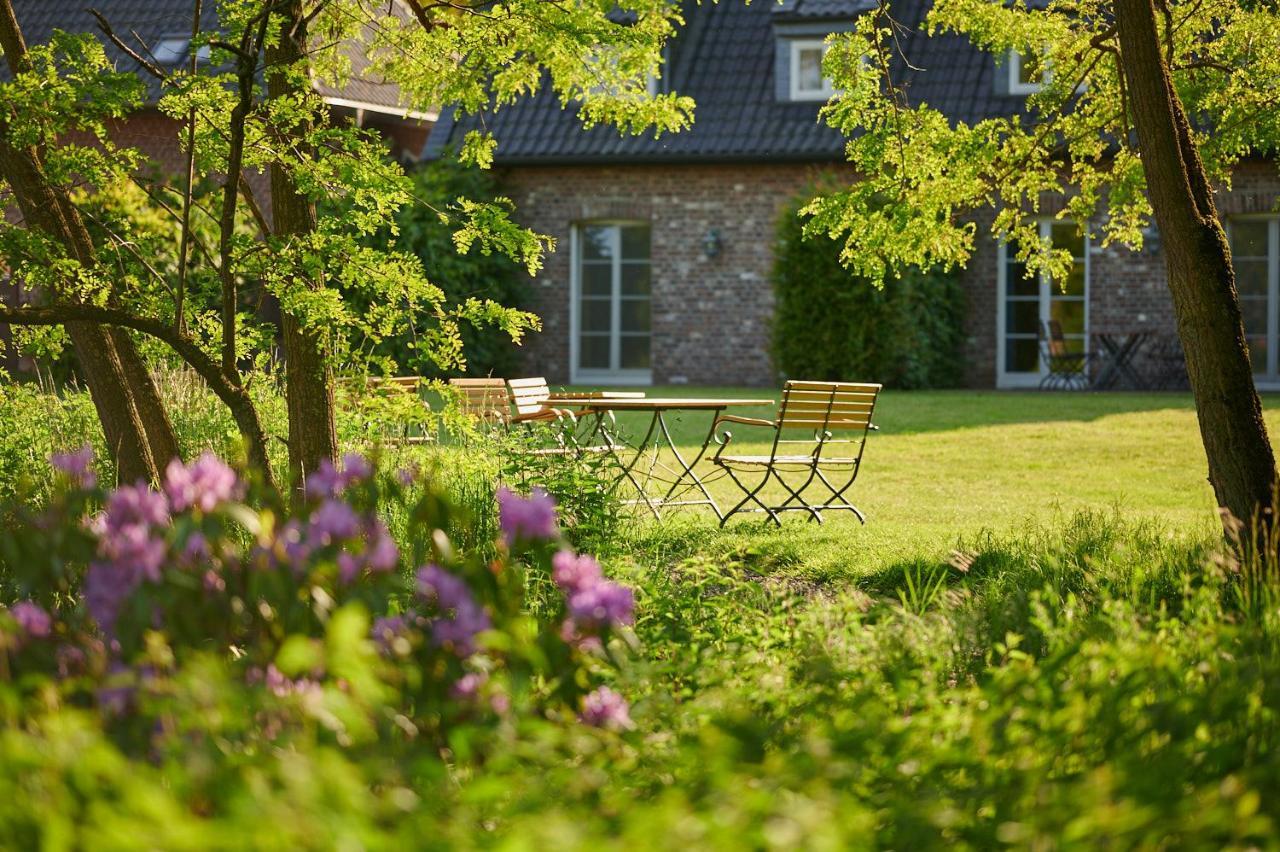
[610, 323]
[1255, 253]
[1028, 301]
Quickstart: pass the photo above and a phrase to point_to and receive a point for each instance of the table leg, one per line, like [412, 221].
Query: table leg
[687, 468]
[627, 468]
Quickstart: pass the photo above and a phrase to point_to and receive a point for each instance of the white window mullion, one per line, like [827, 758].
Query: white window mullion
[615, 306]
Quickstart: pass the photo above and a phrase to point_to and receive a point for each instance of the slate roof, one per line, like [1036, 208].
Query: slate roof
[154, 20]
[724, 58]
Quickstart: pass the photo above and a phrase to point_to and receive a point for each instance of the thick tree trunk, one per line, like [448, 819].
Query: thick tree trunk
[1242, 466]
[137, 429]
[309, 389]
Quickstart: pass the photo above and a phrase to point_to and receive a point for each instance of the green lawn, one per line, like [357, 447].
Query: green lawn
[949, 465]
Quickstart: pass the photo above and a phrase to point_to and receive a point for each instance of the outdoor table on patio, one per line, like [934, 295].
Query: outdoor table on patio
[1118, 349]
[656, 438]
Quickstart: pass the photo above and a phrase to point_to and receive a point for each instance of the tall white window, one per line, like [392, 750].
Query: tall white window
[1255, 252]
[610, 320]
[1023, 80]
[807, 80]
[1030, 303]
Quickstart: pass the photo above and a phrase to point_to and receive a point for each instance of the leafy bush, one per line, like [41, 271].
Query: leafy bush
[195, 633]
[427, 230]
[830, 325]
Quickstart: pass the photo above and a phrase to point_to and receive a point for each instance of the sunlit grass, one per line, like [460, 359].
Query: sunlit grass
[948, 466]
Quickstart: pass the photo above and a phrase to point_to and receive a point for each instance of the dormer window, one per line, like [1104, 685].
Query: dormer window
[807, 80]
[171, 50]
[1023, 78]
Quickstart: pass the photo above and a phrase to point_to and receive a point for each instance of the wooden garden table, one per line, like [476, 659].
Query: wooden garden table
[656, 437]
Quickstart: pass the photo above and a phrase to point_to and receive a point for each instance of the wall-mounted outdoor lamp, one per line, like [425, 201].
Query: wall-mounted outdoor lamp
[711, 244]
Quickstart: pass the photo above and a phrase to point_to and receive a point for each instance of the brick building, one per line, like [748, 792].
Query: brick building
[161, 30]
[666, 245]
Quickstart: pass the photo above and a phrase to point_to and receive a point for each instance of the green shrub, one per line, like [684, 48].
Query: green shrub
[830, 325]
[477, 274]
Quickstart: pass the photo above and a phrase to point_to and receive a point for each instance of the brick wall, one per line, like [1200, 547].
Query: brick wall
[710, 315]
[1127, 290]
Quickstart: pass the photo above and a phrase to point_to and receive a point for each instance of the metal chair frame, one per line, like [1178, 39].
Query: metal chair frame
[827, 408]
[1067, 370]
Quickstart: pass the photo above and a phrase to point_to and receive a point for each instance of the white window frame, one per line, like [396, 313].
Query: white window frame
[797, 47]
[1269, 380]
[1004, 378]
[1016, 86]
[578, 375]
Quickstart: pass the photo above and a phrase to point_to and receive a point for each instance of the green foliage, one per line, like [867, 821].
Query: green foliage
[832, 325]
[440, 228]
[919, 172]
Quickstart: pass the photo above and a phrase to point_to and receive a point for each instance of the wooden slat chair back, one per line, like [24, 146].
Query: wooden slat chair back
[486, 400]
[832, 420]
[529, 397]
[393, 388]
[827, 406]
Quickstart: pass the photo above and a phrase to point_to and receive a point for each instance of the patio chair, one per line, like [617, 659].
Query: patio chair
[391, 390]
[530, 398]
[1067, 370]
[485, 400]
[824, 410]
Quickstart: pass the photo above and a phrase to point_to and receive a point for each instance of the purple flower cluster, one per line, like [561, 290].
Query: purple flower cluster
[204, 485]
[328, 481]
[461, 617]
[524, 519]
[131, 548]
[604, 708]
[278, 684]
[594, 602]
[76, 465]
[32, 618]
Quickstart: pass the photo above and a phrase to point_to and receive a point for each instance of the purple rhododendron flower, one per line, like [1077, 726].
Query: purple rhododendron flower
[327, 481]
[526, 518]
[32, 618]
[604, 604]
[355, 468]
[459, 632]
[573, 573]
[450, 594]
[349, 567]
[76, 465]
[324, 481]
[468, 686]
[380, 552]
[204, 484]
[438, 586]
[332, 522]
[135, 505]
[605, 708]
[130, 550]
[277, 683]
[388, 629]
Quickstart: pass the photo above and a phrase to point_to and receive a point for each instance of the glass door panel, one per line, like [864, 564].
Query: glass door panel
[612, 312]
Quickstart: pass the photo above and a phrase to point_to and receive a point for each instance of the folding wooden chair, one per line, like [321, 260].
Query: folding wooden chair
[1067, 370]
[530, 397]
[825, 461]
[485, 400]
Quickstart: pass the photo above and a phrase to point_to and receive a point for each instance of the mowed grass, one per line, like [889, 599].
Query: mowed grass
[947, 468]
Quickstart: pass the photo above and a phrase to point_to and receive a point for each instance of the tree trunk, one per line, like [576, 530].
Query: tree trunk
[309, 378]
[1242, 465]
[139, 435]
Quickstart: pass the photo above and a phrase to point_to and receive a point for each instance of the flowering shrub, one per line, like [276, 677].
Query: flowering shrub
[319, 615]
